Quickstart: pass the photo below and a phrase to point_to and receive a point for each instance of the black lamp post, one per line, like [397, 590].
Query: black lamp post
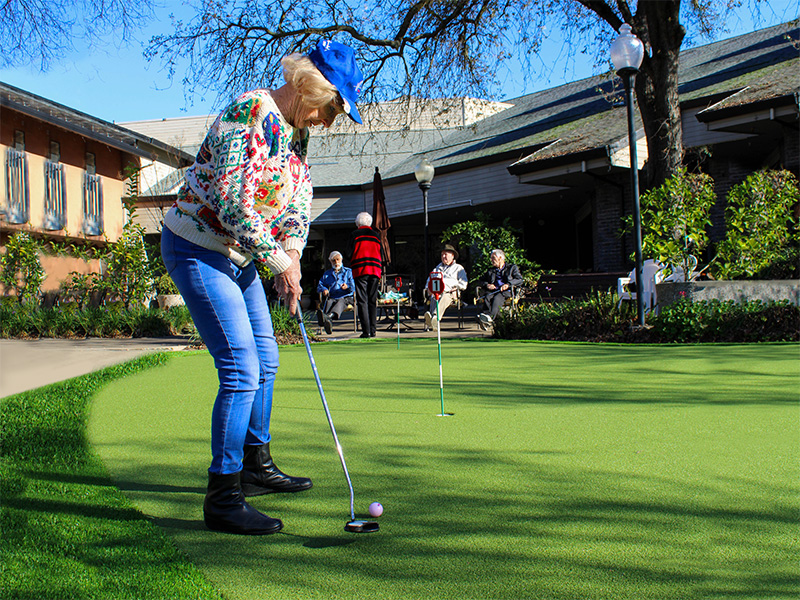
[424, 174]
[627, 53]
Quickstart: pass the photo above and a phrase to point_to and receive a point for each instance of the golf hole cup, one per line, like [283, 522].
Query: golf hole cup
[375, 509]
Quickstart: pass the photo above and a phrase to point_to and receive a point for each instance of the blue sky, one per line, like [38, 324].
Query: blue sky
[117, 84]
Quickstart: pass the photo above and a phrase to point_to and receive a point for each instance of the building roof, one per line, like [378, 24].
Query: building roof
[532, 131]
[765, 60]
[91, 127]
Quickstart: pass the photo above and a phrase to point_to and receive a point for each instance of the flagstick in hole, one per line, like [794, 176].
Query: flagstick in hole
[436, 288]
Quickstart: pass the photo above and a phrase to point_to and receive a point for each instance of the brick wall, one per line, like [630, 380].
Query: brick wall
[609, 248]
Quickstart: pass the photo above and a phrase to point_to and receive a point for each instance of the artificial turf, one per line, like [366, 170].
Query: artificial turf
[568, 471]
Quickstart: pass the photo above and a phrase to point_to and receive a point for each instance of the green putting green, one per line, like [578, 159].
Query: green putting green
[567, 471]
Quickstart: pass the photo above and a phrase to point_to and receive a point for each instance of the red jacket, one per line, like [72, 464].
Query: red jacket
[365, 252]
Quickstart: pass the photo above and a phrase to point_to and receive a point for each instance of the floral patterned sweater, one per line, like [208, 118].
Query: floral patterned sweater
[248, 193]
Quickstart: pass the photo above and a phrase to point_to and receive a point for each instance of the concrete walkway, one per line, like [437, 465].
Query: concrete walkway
[29, 364]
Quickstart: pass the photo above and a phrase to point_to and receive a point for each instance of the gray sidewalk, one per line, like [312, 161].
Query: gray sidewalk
[29, 364]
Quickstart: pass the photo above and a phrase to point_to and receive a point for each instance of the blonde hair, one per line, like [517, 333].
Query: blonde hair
[311, 85]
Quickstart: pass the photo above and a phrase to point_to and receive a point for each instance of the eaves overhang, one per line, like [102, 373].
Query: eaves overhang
[106, 133]
[785, 104]
[582, 161]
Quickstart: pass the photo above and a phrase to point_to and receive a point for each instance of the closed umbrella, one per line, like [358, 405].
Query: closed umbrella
[380, 220]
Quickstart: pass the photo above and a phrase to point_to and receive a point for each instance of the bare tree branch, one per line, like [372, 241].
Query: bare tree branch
[37, 32]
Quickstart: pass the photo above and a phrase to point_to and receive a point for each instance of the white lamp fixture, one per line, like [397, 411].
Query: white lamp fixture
[424, 172]
[627, 51]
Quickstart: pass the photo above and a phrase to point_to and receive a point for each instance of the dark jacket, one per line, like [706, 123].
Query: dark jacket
[364, 249]
[508, 274]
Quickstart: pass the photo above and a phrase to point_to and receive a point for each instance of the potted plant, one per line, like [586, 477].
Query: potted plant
[168, 294]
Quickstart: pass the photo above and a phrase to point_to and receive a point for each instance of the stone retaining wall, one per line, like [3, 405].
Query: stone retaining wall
[739, 291]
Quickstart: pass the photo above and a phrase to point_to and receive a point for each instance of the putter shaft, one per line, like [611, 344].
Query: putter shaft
[325, 405]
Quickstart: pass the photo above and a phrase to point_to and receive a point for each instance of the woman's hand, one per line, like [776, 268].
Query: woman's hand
[288, 283]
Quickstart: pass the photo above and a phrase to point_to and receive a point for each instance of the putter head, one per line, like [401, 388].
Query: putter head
[361, 526]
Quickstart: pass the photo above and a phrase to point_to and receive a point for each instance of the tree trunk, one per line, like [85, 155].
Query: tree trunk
[658, 23]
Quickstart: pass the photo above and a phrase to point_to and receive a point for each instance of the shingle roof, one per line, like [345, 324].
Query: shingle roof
[587, 114]
[570, 119]
[89, 126]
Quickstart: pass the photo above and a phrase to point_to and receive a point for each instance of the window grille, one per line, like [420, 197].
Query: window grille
[92, 204]
[55, 196]
[17, 191]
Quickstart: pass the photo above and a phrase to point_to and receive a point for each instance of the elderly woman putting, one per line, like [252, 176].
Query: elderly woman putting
[247, 198]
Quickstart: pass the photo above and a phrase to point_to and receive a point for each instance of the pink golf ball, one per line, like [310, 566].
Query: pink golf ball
[375, 509]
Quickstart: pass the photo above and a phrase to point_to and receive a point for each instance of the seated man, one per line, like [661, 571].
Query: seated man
[454, 279]
[337, 288]
[497, 281]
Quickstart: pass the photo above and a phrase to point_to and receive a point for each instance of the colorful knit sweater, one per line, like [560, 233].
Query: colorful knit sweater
[248, 193]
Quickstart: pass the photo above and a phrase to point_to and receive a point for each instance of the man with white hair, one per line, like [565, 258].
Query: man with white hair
[337, 288]
[497, 281]
[364, 250]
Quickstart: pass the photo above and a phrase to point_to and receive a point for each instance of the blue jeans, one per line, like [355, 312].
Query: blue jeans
[230, 311]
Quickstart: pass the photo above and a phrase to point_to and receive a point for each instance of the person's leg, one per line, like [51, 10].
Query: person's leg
[260, 474]
[445, 301]
[497, 302]
[373, 283]
[267, 347]
[362, 300]
[337, 307]
[209, 284]
[487, 302]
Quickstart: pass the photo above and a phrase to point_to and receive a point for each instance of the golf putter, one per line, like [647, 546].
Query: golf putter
[353, 525]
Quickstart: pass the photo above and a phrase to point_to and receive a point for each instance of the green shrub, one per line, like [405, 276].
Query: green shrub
[599, 319]
[728, 321]
[675, 216]
[760, 227]
[70, 320]
[165, 285]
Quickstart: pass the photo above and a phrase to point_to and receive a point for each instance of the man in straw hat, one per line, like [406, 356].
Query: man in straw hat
[454, 280]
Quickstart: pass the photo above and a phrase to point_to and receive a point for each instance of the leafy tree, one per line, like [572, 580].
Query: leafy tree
[760, 226]
[129, 273]
[41, 31]
[20, 267]
[674, 218]
[443, 48]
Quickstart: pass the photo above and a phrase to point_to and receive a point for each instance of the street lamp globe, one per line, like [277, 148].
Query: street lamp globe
[627, 51]
[424, 172]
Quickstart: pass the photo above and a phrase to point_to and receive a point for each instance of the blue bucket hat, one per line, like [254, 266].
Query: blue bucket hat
[337, 63]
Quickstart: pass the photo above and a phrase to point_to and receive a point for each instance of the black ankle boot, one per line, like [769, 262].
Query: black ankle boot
[225, 508]
[261, 476]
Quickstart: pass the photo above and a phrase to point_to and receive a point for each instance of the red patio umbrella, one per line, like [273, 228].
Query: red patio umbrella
[380, 220]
